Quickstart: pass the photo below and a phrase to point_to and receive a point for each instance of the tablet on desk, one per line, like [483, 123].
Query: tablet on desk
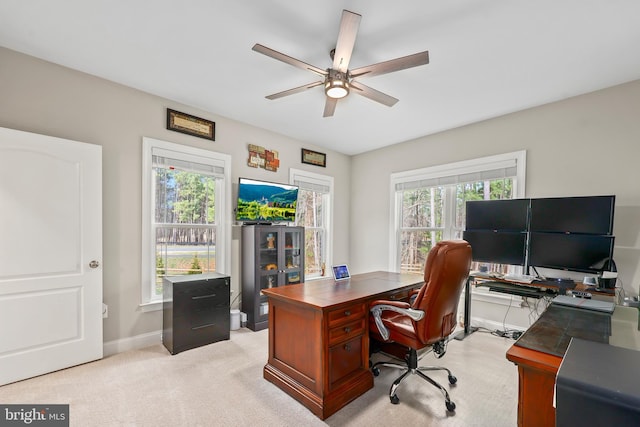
[341, 272]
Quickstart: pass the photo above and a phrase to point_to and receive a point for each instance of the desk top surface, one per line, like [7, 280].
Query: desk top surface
[326, 293]
[553, 330]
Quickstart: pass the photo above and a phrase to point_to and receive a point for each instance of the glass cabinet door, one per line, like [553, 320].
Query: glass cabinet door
[292, 256]
[268, 258]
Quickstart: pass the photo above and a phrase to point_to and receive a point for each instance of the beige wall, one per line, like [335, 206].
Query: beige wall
[581, 146]
[40, 97]
[587, 145]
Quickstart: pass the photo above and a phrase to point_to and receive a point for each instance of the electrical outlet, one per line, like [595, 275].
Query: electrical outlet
[105, 311]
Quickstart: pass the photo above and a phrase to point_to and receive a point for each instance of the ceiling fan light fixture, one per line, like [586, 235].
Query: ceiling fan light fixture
[336, 88]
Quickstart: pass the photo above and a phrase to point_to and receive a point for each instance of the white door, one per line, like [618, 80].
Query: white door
[50, 254]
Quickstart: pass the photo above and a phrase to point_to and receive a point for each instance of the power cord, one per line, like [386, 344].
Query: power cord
[513, 334]
[507, 333]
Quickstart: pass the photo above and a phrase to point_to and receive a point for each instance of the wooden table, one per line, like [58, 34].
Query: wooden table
[319, 337]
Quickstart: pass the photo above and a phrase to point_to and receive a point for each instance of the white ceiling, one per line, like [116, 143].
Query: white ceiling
[487, 57]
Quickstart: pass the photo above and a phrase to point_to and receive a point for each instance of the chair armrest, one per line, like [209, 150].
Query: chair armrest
[396, 306]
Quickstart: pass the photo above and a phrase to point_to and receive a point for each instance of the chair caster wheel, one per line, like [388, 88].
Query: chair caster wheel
[395, 400]
[451, 407]
[375, 372]
[452, 379]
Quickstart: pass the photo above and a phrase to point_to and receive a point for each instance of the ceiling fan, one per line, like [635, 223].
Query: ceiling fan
[338, 80]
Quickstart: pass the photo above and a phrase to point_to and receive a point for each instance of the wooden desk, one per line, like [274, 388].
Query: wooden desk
[537, 369]
[319, 337]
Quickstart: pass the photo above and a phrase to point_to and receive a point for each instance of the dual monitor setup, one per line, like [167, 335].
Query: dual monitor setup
[562, 233]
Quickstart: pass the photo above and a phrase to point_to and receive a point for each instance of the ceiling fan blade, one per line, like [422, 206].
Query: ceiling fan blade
[287, 59]
[390, 66]
[330, 107]
[346, 40]
[373, 94]
[292, 91]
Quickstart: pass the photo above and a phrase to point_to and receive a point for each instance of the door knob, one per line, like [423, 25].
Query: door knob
[94, 264]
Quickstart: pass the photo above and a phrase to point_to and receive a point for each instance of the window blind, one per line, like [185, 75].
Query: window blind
[310, 184]
[170, 160]
[503, 169]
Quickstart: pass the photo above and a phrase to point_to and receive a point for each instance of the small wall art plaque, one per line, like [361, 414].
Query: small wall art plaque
[191, 125]
[314, 158]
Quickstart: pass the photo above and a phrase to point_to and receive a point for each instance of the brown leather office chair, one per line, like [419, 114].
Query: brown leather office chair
[429, 319]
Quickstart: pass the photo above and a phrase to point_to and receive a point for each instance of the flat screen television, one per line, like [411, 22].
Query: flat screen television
[265, 202]
[500, 247]
[571, 252]
[586, 215]
[508, 214]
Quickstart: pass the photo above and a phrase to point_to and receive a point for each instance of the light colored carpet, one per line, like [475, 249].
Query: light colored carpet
[221, 385]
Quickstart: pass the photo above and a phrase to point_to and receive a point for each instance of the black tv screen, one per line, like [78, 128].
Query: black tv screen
[508, 214]
[500, 247]
[587, 215]
[268, 202]
[572, 252]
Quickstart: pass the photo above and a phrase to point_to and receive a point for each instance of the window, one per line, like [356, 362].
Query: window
[430, 203]
[186, 229]
[314, 212]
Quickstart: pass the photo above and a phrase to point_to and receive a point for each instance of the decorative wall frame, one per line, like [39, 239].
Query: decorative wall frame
[260, 157]
[191, 125]
[314, 158]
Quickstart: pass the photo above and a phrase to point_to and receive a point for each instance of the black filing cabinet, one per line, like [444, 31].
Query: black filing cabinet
[195, 311]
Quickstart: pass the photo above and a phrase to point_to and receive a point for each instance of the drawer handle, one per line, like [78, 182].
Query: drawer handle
[347, 313]
[204, 296]
[347, 329]
[203, 326]
[347, 347]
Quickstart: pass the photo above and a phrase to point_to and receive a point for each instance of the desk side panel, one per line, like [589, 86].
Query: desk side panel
[296, 343]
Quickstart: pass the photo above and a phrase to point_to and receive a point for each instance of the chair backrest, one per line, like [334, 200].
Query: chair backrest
[445, 274]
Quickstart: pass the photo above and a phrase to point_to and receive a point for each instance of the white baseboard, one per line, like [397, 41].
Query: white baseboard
[132, 343]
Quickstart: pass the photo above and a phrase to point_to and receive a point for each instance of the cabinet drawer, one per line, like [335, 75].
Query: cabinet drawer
[344, 360]
[213, 319]
[198, 296]
[348, 330]
[346, 314]
[198, 318]
[186, 335]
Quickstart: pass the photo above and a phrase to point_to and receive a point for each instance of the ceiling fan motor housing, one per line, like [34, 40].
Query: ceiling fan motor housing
[336, 85]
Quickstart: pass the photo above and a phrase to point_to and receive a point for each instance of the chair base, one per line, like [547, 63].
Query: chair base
[411, 367]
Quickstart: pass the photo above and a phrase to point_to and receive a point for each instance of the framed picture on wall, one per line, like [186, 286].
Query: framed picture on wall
[314, 158]
[191, 125]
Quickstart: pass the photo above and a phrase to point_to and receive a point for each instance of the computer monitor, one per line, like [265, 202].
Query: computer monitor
[571, 252]
[506, 215]
[499, 247]
[583, 215]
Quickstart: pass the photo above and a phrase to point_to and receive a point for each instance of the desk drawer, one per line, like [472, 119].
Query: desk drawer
[345, 360]
[348, 330]
[346, 314]
[402, 295]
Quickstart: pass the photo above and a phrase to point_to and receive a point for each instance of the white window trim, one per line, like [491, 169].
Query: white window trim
[316, 178]
[450, 169]
[223, 216]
